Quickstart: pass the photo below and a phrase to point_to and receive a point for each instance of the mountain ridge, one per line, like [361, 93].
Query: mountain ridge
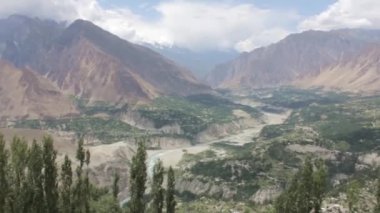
[296, 57]
[84, 61]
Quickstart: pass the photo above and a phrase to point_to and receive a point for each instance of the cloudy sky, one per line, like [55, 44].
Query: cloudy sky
[205, 24]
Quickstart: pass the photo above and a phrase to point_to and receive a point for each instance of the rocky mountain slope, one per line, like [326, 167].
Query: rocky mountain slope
[86, 62]
[297, 57]
[361, 73]
[25, 94]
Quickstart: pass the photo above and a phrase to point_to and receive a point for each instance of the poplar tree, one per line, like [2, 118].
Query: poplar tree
[115, 185]
[35, 179]
[86, 191]
[377, 207]
[66, 184]
[50, 176]
[19, 159]
[138, 179]
[319, 185]
[170, 192]
[4, 187]
[78, 204]
[157, 190]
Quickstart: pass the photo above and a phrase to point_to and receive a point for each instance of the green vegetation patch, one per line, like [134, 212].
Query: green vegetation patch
[98, 107]
[290, 97]
[354, 122]
[236, 170]
[106, 130]
[194, 113]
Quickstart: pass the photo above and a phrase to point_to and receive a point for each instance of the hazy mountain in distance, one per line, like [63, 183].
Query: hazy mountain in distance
[86, 61]
[199, 62]
[299, 56]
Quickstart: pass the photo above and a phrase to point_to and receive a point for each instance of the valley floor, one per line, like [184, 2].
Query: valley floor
[171, 157]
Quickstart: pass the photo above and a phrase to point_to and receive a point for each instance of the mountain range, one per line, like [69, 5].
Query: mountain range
[345, 59]
[86, 62]
[45, 65]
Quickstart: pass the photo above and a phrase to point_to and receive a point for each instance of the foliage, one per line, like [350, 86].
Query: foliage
[170, 191]
[138, 179]
[34, 184]
[306, 190]
[107, 130]
[297, 98]
[194, 113]
[352, 195]
[157, 190]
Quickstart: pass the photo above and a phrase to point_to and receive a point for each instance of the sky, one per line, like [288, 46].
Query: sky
[199, 25]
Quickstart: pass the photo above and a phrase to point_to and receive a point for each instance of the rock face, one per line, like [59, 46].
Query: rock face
[84, 61]
[25, 94]
[361, 73]
[299, 57]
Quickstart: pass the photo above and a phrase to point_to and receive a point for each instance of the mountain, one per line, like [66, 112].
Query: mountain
[361, 73]
[299, 56]
[85, 61]
[25, 94]
[199, 62]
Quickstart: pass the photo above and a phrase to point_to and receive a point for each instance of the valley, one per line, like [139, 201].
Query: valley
[284, 125]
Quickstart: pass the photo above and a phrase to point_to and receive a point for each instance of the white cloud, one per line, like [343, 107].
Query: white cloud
[191, 24]
[220, 25]
[346, 14]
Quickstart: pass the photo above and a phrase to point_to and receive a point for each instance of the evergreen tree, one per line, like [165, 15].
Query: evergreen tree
[157, 190]
[35, 179]
[170, 192]
[138, 179]
[66, 184]
[50, 176]
[4, 187]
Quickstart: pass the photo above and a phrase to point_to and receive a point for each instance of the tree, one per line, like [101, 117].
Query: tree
[320, 185]
[66, 184]
[19, 158]
[79, 204]
[138, 179]
[115, 185]
[50, 175]
[352, 195]
[86, 191]
[157, 190]
[377, 207]
[35, 179]
[306, 190]
[4, 187]
[170, 192]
